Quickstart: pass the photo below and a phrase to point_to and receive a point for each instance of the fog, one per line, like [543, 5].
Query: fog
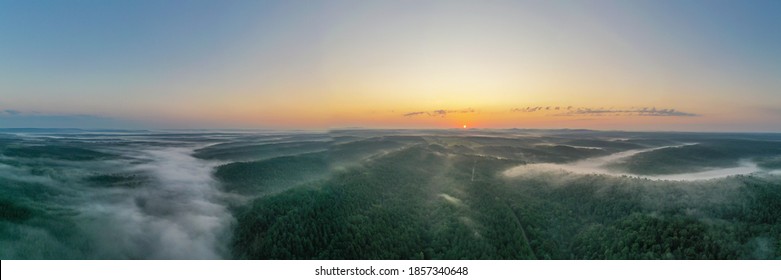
[219, 196]
[746, 167]
[176, 211]
[599, 165]
[179, 217]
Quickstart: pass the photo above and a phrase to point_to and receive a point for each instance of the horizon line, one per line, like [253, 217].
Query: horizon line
[63, 129]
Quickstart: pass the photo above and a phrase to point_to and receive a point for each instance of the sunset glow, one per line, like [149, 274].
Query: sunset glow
[321, 138]
[698, 65]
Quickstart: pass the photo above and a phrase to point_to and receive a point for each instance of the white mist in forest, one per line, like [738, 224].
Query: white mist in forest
[178, 216]
[599, 165]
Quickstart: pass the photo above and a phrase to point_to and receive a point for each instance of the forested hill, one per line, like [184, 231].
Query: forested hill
[445, 198]
[389, 194]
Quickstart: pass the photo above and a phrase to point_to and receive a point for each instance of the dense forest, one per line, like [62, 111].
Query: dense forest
[429, 201]
[387, 194]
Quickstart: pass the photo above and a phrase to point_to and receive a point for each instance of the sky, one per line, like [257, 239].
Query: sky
[618, 65]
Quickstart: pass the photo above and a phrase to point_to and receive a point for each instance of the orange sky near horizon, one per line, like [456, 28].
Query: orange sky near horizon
[694, 66]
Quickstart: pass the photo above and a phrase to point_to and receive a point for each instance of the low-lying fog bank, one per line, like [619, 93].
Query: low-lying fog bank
[150, 200]
[605, 166]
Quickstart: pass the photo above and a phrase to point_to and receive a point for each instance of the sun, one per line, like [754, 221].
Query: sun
[465, 126]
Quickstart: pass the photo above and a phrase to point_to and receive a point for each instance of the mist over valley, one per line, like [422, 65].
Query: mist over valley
[389, 194]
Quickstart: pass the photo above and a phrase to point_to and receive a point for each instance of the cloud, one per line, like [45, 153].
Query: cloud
[647, 112]
[10, 112]
[527, 109]
[586, 111]
[439, 113]
[412, 114]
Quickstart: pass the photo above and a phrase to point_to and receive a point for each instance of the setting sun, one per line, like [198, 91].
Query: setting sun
[390, 64]
[327, 130]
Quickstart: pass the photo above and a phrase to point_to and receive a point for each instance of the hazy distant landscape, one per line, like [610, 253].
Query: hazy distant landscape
[389, 194]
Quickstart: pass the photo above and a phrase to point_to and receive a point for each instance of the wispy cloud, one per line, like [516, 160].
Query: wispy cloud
[439, 113]
[412, 114]
[10, 112]
[647, 112]
[535, 109]
[586, 111]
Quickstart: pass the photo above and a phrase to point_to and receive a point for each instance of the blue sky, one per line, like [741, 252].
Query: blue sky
[324, 64]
